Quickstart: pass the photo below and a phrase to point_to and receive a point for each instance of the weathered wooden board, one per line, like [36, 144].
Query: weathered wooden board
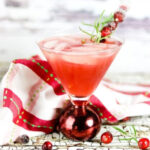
[142, 125]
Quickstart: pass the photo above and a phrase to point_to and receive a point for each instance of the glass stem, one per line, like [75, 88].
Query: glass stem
[79, 101]
[79, 104]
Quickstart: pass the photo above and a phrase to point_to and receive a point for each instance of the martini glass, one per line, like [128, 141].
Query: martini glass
[80, 65]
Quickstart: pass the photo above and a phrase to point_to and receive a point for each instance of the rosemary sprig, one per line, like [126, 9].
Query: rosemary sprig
[86, 32]
[134, 130]
[120, 130]
[109, 18]
[98, 26]
[130, 135]
[86, 24]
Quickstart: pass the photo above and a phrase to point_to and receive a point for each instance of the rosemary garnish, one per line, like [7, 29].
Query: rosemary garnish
[98, 25]
[130, 135]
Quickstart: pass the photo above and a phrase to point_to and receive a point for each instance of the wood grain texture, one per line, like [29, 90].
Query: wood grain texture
[142, 125]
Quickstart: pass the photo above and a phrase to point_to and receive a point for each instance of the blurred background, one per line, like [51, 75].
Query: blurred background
[24, 22]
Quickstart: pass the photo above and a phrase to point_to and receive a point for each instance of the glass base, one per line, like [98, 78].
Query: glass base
[79, 101]
[79, 123]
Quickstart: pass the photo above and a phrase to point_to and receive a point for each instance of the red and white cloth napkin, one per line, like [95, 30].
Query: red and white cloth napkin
[33, 98]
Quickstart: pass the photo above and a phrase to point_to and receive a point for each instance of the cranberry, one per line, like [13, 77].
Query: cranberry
[106, 31]
[123, 7]
[47, 146]
[118, 16]
[24, 139]
[143, 143]
[106, 137]
[113, 25]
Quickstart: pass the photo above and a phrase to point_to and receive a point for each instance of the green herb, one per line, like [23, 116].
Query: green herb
[98, 26]
[120, 130]
[130, 135]
[134, 130]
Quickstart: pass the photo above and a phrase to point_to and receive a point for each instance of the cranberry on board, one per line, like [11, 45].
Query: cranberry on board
[24, 139]
[47, 146]
[143, 143]
[106, 137]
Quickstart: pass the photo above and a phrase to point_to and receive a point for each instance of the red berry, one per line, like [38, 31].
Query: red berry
[106, 31]
[47, 146]
[113, 25]
[24, 139]
[123, 7]
[143, 143]
[118, 16]
[106, 137]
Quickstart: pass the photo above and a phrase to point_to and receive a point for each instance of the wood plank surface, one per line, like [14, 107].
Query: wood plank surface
[142, 125]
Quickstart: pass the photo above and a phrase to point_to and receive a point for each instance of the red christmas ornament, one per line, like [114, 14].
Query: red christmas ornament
[79, 123]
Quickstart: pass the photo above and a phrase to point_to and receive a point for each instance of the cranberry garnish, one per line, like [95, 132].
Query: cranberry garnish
[143, 143]
[123, 7]
[47, 146]
[118, 16]
[106, 31]
[106, 137]
[113, 25]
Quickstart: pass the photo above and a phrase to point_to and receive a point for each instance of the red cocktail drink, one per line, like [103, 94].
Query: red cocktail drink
[80, 64]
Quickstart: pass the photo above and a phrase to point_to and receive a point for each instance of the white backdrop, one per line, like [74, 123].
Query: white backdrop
[23, 23]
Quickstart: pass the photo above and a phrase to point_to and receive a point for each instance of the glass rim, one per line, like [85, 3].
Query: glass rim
[40, 44]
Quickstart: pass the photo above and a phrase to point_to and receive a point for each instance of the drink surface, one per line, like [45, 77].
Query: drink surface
[79, 63]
